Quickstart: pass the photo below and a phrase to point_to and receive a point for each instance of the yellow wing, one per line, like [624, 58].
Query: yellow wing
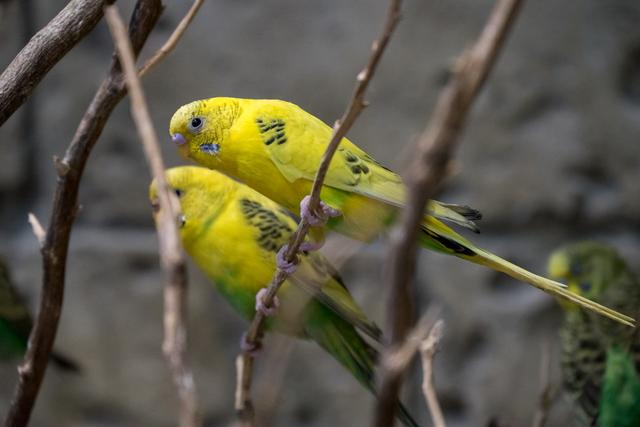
[296, 140]
[314, 275]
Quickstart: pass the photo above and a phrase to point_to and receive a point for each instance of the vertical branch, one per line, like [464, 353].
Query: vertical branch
[357, 103]
[433, 153]
[56, 242]
[173, 263]
[428, 349]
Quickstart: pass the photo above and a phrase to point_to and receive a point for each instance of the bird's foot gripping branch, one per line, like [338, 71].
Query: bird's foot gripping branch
[266, 309]
[317, 217]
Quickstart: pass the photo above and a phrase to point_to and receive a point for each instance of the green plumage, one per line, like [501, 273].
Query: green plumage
[620, 404]
[16, 324]
[600, 359]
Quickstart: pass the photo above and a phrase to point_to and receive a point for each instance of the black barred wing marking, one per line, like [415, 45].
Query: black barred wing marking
[272, 131]
[274, 231]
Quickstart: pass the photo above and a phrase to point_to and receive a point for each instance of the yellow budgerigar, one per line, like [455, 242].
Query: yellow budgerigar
[275, 147]
[234, 233]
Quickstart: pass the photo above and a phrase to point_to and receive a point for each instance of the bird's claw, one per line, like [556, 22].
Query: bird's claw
[283, 264]
[318, 217]
[262, 307]
[252, 349]
[309, 246]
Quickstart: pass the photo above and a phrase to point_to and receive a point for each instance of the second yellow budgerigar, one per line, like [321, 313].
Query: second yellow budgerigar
[275, 147]
[233, 234]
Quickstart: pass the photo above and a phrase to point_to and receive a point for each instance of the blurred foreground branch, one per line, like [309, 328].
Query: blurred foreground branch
[428, 349]
[173, 262]
[65, 205]
[44, 50]
[244, 364]
[427, 170]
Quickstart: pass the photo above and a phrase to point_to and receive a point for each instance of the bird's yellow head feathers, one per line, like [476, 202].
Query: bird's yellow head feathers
[201, 192]
[201, 128]
[588, 268]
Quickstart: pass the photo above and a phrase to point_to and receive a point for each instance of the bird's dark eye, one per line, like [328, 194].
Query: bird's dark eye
[195, 125]
[178, 192]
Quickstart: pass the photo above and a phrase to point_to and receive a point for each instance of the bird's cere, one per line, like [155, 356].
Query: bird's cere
[178, 139]
[210, 148]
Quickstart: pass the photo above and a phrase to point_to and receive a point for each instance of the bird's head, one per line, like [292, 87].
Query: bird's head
[588, 268]
[200, 129]
[200, 192]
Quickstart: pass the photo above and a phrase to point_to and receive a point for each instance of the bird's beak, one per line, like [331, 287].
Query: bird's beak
[181, 143]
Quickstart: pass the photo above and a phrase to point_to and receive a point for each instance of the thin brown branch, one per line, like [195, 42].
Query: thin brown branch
[175, 342]
[173, 40]
[37, 228]
[56, 242]
[341, 127]
[395, 361]
[44, 50]
[428, 349]
[547, 391]
[428, 168]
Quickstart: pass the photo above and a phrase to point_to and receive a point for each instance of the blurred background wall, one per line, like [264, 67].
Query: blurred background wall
[551, 154]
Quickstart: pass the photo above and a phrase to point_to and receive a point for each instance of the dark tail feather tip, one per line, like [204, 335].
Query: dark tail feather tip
[65, 363]
[466, 211]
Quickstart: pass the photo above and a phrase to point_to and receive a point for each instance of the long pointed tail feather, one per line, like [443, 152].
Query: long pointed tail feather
[438, 236]
[547, 285]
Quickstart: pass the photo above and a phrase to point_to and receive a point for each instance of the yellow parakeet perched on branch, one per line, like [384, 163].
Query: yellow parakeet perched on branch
[275, 147]
[233, 234]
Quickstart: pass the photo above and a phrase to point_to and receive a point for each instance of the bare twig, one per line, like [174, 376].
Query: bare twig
[340, 129]
[173, 40]
[547, 391]
[175, 342]
[56, 243]
[395, 361]
[37, 228]
[44, 50]
[428, 349]
[430, 162]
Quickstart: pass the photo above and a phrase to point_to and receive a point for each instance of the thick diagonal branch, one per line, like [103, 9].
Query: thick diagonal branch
[44, 50]
[427, 170]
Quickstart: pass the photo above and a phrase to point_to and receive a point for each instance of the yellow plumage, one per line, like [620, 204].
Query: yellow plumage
[275, 147]
[233, 233]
